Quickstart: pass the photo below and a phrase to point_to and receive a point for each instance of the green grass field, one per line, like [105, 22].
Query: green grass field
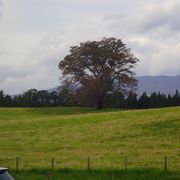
[70, 135]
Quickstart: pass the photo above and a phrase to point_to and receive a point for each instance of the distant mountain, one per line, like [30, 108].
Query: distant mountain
[149, 84]
[52, 90]
[163, 84]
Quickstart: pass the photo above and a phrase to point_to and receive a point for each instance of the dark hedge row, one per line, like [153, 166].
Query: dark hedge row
[34, 98]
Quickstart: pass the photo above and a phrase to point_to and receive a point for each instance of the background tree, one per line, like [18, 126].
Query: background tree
[169, 101]
[43, 98]
[1, 98]
[30, 98]
[144, 101]
[131, 101]
[153, 100]
[68, 97]
[99, 67]
[115, 100]
[8, 101]
[53, 98]
[176, 99]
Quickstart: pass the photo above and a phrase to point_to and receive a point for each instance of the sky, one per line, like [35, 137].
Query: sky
[35, 35]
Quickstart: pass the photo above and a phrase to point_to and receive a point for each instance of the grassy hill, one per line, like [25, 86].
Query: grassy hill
[70, 135]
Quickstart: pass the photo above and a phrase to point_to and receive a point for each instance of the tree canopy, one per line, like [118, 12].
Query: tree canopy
[99, 67]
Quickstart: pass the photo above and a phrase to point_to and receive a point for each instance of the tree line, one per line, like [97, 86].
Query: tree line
[65, 97]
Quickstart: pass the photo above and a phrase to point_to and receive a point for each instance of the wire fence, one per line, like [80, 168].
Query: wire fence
[165, 163]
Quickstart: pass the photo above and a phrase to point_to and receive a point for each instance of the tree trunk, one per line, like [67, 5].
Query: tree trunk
[99, 103]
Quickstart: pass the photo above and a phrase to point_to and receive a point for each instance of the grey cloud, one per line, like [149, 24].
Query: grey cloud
[167, 60]
[17, 80]
[151, 31]
[38, 70]
[143, 46]
[167, 14]
[148, 18]
[115, 17]
[2, 53]
[1, 4]
[3, 73]
[7, 72]
[40, 67]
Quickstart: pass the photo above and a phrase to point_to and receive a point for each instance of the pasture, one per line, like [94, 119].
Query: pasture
[71, 135]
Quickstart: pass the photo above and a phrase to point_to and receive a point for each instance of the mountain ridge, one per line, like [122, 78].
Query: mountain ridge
[163, 84]
[149, 84]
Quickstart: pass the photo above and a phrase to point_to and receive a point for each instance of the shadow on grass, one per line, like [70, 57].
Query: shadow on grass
[68, 174]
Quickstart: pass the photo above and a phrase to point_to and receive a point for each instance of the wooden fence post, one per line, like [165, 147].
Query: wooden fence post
[165, 163]
[17, 164]
[53, 163]
[88, 163]
[126, 162]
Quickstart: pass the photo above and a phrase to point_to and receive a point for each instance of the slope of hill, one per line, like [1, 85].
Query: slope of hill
[163, 84]
[71, 134]
[149, 84]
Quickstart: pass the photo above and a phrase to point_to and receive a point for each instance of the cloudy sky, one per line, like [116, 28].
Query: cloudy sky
[36, 34]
